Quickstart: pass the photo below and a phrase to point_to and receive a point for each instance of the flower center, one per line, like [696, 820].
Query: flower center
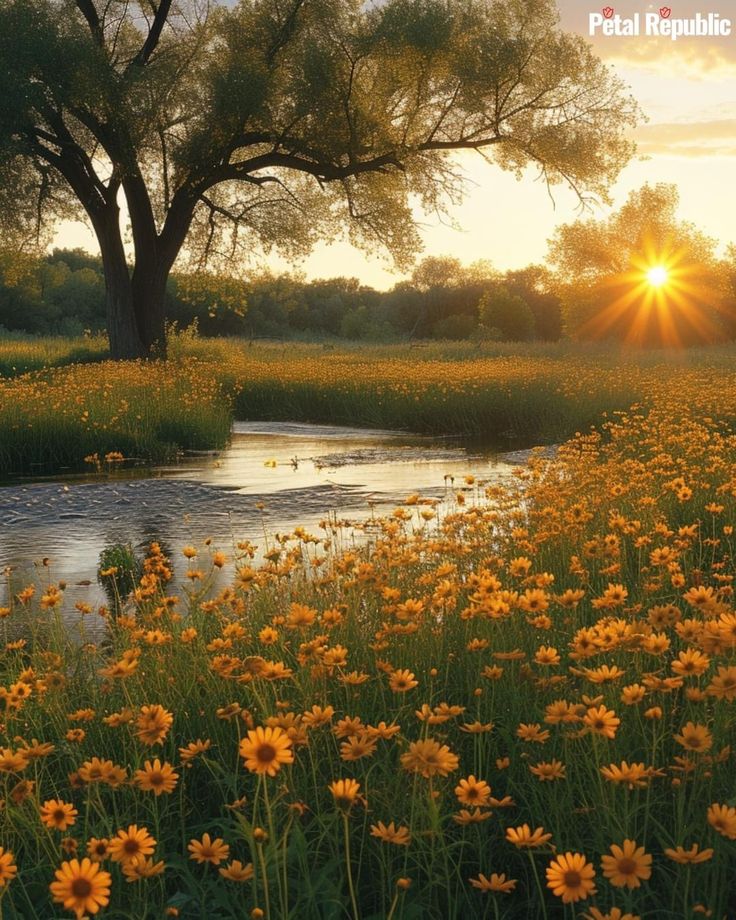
[81, 888]
[627, 866]
[266, 753]
[572, 879]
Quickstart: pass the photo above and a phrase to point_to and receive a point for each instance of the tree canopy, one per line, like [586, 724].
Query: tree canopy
[280, 122]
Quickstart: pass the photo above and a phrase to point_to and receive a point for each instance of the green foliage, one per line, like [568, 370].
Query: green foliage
[280, 124]
[62, 293]
[118, 571]
[509, 313]
[456, 327]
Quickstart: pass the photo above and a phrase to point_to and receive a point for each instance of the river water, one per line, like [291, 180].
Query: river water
[271, 478]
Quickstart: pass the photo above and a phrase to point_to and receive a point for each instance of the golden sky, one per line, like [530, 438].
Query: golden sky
[687, 89]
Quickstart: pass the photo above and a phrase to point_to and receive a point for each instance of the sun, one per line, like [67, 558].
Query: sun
[657, 275]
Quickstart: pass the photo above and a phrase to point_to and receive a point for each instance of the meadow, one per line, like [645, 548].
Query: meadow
[63, 409]
[523, 708]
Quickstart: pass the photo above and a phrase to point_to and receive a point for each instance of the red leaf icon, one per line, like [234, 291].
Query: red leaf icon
[665, 11]
[608, 11]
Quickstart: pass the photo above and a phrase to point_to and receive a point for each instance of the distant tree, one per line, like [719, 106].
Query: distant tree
[437, 273]
[534, 284]
[435, 278]
[458, 326]
[272, 301]
[222, 126]
[603, 271]
[404, 307]
[76, 259]
[510, 314]
[44, 295]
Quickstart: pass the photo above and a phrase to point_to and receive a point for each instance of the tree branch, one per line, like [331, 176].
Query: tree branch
[87, 9]
[154, 35]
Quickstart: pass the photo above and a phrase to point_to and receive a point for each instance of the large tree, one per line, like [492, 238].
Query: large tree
[277, 122]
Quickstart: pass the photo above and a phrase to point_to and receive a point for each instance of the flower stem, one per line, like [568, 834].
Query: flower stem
[351, 887]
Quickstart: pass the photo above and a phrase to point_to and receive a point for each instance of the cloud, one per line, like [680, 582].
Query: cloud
[716, 137]
[695, 59]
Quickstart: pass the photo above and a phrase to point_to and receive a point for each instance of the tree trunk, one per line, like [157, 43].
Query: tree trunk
[122, 330]
[135, 301]
[149, 305]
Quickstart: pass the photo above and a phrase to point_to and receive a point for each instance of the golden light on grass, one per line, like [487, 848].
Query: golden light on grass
[657, 276]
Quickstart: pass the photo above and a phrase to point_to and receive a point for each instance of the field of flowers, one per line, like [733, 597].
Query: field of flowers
[525, 708]
[508, 395]
[55, 418]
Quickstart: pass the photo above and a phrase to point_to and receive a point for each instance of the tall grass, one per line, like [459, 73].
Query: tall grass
[507, 395]
[537, 394]
[20, 354]
[56, 418]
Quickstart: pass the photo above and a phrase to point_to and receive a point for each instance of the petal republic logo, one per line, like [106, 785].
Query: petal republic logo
[609, 23]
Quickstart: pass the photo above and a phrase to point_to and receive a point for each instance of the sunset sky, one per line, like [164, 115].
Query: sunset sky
[686, 88]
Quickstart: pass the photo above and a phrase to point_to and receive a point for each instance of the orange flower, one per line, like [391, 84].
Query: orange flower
[570, 876]
[402, 681]
[207, 850]
[156, 777]
[627, 866]
[266, 749]
[8, 868]
[131, 843]
[523, 836]
[153, 724]
[345, 793]
[692, 856]
[494, 883]
[389, 833]
[58, 815]
[472, 791]
[429, 758]
[723, 819]
[695, 737]
[235, 871]
[82, 887]
[602, 721]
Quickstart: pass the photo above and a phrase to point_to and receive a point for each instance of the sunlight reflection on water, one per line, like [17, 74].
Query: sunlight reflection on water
[300, 473]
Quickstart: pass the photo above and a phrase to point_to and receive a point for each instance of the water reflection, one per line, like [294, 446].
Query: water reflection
[272, 477]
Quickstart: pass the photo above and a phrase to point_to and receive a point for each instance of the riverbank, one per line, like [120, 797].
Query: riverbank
[150, 411]
[270, 478]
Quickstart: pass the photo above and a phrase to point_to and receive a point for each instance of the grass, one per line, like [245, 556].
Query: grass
[22, 354]
[507, 395]
[569, 640]
[64, 417]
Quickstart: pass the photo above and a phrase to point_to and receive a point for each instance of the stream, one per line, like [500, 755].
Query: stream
[271, 478]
